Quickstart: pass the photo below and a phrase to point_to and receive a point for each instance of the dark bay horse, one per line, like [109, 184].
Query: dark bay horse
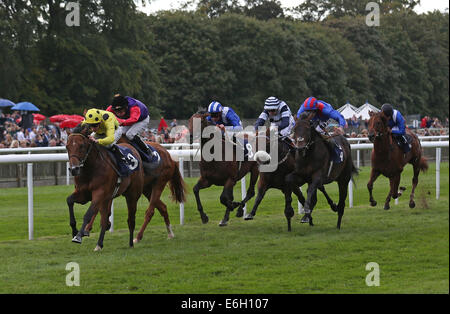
[312, 165]
[389, 160]
[222, 173]
[97, 181]
[277, 178]
[153, 184]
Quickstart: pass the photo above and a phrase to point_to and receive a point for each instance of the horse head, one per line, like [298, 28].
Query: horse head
[378, 125]
[202, 115]
[303, 131]
[78, 148]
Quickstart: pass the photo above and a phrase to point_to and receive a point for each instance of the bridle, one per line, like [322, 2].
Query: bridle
[82, 160]
[306, 147]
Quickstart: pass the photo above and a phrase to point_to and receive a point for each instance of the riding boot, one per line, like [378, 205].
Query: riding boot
[118, 153]
[402, 142]
[142, 145]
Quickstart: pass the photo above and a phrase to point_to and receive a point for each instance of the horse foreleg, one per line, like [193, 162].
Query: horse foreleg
[329, 200]
[201, 184]
[75, 197]
[291, 183]
[104, 221]
[393, 192]
[132, 208]
[262, 188]
[311, 198]
[88, 217]
[373, 176]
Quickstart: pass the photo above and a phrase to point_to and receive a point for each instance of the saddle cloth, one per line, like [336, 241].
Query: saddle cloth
[125, 168]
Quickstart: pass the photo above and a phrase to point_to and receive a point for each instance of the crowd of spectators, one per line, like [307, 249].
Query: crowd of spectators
[13, 134]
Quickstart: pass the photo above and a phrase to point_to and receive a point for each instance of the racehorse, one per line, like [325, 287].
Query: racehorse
[314, 165]
[96, 180]
[388, 158]
[276, 179]
[152, 186]
[222, 173]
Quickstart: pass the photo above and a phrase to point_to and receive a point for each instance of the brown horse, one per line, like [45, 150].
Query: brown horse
[389, 160]
[222, 173]
[96, 180]
[154, 183]
[314, 165]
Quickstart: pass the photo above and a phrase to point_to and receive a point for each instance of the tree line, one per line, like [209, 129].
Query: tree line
[234, 52]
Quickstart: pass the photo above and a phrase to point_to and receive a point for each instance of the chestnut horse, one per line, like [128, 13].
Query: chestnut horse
[154, 183]
[222, 173]
[96, 180]
[389, 160]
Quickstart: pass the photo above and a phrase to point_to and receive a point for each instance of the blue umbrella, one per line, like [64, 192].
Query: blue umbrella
[25, 106]
[6, 103]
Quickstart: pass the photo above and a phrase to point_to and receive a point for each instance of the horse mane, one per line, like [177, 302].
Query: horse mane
[81, 129]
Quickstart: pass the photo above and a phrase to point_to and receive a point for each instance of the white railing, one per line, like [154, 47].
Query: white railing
[180, 155]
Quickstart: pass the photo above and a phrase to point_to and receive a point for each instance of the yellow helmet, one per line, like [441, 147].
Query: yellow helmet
[93, 116]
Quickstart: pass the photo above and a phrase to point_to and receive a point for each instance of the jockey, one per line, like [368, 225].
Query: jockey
[133, 118]
[397, 124]
[224, 117]
[324, 112]
[106, 130]
[279, 114]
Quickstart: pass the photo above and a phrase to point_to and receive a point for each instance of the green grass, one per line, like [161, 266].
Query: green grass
[259, 256]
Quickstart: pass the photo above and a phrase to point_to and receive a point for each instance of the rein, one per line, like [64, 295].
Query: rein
[82, 161]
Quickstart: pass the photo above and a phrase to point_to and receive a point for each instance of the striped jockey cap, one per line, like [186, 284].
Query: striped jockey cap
[215, 107]
[271, 103]
[310, 103]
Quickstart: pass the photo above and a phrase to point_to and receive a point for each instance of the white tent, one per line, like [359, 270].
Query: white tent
[348, 111]
[363, 111]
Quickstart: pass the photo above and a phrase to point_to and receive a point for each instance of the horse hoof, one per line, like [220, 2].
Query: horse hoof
[334, 207]
[387, 207]
[373, 203]
[135, 241]
[97, 248]
[170, 236]
[76, 239]
[402, 188]
[223, 223]
[205, 219]
[248, 217]
[305, 219]
[240, 212]
[412, 204]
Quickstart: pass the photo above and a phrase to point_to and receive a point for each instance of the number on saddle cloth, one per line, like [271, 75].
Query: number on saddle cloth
[129, 165]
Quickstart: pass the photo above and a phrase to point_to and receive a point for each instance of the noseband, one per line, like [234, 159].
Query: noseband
[82, 160]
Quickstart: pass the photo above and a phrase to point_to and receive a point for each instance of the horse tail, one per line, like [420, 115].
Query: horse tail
[423, 164]
[355, 172]
[177, 186]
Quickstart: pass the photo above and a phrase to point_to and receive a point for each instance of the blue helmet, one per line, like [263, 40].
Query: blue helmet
[215, 107]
